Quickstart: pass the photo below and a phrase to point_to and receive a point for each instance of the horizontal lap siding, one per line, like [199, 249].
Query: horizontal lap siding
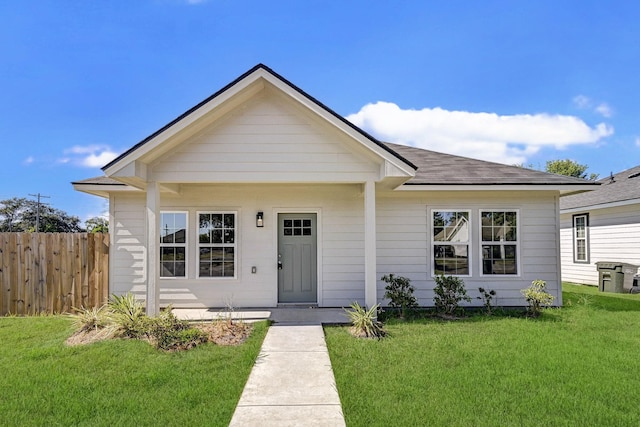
[614, 235]
[341, 242]
[267, 141]
[403, 241]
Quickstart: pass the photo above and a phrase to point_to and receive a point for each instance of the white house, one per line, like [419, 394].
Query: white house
[601, 225]
[260, 196]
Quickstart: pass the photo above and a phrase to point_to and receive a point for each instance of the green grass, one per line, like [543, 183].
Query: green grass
[117, 382]
[574, 366]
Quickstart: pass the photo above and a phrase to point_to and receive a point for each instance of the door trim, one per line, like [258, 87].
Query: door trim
[319, 243]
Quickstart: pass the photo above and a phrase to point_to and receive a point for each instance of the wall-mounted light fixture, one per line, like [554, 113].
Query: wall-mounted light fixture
[260, 219]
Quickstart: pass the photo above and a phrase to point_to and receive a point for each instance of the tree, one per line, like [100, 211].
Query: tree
[569, 168]
[97, 224]
[19, 215]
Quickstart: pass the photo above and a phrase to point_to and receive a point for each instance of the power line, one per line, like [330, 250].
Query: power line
[39, 196]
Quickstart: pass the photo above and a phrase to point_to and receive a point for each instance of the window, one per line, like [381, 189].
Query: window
[499, 242]
[217, 244]
[173, 244]
[450, 234]
[580, 238]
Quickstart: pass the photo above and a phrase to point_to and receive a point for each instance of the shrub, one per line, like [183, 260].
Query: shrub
[449, 291]
[537, 297]
[364, 323]
[167, 332]
[400, 293]
[89, 319]
[127, 314]
[486, 298]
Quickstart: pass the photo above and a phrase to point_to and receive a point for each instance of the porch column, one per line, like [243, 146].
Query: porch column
[153, 243]
[370, 267]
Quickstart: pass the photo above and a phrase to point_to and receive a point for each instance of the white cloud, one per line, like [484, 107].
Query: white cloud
[638, 142]
[604, 109]
[583, 102]
[88, 156]
[488, 136]
[29, 160]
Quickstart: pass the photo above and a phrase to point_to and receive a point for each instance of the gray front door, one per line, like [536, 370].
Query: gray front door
[297, 258]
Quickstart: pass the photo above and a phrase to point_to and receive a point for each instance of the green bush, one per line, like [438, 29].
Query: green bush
[364, 323]
[128, 314]
[400, 293]
[449, 291]
[537, 297]
[487, 297]
[88, 319]
[167, 332]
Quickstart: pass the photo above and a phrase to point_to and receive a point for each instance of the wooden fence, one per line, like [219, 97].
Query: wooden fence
[52, 272]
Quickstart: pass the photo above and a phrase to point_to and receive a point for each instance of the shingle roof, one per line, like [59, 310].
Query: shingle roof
[445, 169]
[625, 185]
[98, 180]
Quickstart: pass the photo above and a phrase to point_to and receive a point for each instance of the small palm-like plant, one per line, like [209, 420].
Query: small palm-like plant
[128, 314]
[89, 319]
[364, 323]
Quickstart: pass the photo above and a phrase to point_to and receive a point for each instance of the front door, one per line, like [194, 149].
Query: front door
[297, 258]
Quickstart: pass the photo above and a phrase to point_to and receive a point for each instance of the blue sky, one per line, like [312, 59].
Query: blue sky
[508, 81]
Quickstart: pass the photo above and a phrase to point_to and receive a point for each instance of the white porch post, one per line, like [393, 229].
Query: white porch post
[153, 243]
[370, 267]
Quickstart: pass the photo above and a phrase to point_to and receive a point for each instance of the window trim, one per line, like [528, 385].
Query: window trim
[234, 245]
[574, 238]
[469, 242]
[184, 245]
[517, 242]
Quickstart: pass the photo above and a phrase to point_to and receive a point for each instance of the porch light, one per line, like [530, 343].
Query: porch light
[259, 220]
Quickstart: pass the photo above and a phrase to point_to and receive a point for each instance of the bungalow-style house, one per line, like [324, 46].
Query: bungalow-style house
[601, 225]
[261, 196]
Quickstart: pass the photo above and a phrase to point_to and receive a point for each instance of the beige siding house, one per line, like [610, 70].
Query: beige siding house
[261, 196]
[601, 225]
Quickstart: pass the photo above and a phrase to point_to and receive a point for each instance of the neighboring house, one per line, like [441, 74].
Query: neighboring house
[601, 225]
[260, 196]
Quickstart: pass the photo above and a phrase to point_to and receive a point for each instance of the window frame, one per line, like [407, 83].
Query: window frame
[468, 243]
[234, 245]
[184, 245]
[517, 242]
[575, 238]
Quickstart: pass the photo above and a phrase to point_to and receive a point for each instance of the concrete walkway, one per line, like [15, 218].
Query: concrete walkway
[292, 383]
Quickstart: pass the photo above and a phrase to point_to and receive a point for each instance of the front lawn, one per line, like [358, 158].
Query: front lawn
[573, 366]
[116, 382]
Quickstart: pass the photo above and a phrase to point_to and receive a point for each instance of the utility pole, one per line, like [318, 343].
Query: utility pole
[39, 196]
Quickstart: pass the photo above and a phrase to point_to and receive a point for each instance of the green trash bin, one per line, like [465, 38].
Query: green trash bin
[610, 277]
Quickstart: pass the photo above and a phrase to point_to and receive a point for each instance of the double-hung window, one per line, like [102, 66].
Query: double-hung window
[499, 241]
[173, 244]
[450, 235]
[217, 244]
[580, 238]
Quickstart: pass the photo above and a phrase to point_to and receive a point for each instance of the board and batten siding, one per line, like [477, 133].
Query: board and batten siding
[614, 235]
[268, 140]
[340, 243]
[403, 241]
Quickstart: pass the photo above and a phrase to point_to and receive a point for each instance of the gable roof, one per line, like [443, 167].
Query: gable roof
[446, 169]
[418, 167]
[259, 67]
[621, 187]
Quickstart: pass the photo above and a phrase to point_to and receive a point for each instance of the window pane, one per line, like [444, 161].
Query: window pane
[216, 236]
[229, 236]
[499, 259]
[229, 221]
[451, 259]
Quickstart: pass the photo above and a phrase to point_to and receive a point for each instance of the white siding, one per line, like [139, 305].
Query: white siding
[404, 249]
[614, 235]
[341, 228]
[268, 140]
